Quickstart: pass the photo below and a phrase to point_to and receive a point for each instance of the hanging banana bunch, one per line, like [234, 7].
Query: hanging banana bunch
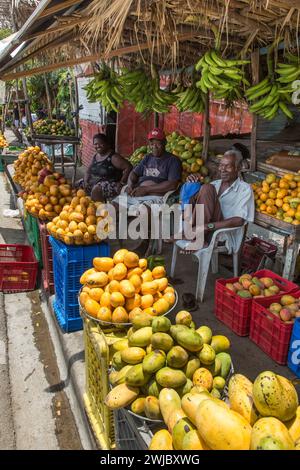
[191, 98]
[137, 87]
[224, 78]
[106, 89]
[161, 100]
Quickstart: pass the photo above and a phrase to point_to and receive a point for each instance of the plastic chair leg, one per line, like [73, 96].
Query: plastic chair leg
[215, 262]
[235, 258]
[203, 268]
[174, 258]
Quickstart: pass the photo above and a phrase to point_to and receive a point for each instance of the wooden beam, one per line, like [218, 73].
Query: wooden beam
[89, 58]
[206, 129]
[59, 7]
[253, 146]
[60, 27]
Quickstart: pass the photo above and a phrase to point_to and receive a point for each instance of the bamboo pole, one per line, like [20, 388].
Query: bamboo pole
[255, 75]
[48, 97]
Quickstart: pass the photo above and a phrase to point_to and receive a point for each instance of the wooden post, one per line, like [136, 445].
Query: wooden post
[27, 105]
[255, 80]
[48, 96]
[76, 106]
[206, 129]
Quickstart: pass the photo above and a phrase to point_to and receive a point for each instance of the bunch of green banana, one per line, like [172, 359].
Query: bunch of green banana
[288, 74]
[191, 99]
[223, 77]
[136, 87]
[270, 98]
[138, 155]
[106, 89]
[161, 100]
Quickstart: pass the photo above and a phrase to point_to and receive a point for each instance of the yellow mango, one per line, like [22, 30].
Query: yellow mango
[266, 427]
[161, 440]
[240, 394]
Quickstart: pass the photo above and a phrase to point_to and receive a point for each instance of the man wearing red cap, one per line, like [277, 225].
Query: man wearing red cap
[158, 173]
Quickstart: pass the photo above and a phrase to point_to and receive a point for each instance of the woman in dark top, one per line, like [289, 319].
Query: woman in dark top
[107, 172]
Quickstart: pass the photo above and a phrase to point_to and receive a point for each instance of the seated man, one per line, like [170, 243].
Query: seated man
[158, 173]
[228, 202]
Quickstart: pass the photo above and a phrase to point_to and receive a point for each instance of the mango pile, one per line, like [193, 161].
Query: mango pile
[158, 359]
[190, 152]
[28, 165]
[3, 141]
[46, 197]
[264, 415]
[279, 197]
[76, 223]
[118, 289]
[287, 309]
[52, 127]
[249, 287]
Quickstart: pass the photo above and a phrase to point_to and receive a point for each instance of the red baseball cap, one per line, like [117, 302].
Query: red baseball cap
[156, 133]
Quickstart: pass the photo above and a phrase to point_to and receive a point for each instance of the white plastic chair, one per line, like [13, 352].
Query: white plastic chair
[208, 255]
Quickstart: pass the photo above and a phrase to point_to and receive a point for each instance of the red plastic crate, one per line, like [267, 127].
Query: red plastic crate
[253, 252]
[234, 311]
[18, 268]
[47, 257]
[267, 330]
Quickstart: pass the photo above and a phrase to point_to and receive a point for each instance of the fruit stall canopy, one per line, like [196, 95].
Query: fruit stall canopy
[172, 33]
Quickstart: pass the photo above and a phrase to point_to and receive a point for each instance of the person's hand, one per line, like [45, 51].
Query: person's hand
[140, 191]
[193, 178]
[129, 190]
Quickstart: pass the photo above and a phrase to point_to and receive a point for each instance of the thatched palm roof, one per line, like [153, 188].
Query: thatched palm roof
[169, 32]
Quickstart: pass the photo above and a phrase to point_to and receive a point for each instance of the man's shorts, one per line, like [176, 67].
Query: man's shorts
[133, 203]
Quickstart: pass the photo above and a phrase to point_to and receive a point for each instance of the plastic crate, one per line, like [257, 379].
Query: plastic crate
[96, 385]
[294, 351]
[235, 311]
[268, 332]
[68, 325]
[33, 234]
[18, 268]
[47, 274]
[69, 263]
[254, 252]
[132, 433]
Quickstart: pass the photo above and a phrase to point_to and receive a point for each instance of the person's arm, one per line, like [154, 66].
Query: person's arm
[122, 164]
[132, 182]
[88, 174]
[232, 222]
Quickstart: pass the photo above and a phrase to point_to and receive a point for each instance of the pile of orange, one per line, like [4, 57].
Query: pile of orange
[119, 288]
[28, 165]
[76, 223]
[279, 197]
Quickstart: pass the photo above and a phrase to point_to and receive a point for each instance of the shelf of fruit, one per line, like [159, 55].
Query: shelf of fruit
[51, 129]
[277, 201]
[187, 149]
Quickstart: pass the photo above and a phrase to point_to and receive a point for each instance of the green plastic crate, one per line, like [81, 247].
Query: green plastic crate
[33, 233]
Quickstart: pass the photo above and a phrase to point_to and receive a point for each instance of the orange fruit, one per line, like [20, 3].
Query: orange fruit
[119, 256]
[272, 194]
[279, 202]
[119, 271]
[288, 177]
[270, 178]
[290, 213]
[92, 307]
[263, 207]
[96, 293]
[134, 312]
[133, 302]
[113, 286]
[169, 289]
[283, 184]
[161, 306]
[105, 300]
[286, 207]
[117, 299]
[119, 315]
[103, 264]
[263, 197]
[146, 301]
[104, 314]
[151, 311]
[131, 259]
[158, 272]
[269, 202]
[271, 210]
[147, 276]
[84, 296]
[133, 271]
[170, 298]
[162, 283]
[127, 288]
[136, 281]
[143, 262]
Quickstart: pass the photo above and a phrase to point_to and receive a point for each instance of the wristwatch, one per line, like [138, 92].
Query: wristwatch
[211, 226]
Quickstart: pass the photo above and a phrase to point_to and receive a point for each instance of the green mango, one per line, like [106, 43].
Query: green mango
[161, 324]
[186, 388]
[154, 361]
[225, 363]
[190, 367]
[136, 377]
[162, 341]
[177, 357]
[170, 378]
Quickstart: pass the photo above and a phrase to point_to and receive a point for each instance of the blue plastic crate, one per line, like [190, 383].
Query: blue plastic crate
[68, 325]
[294, 351]
[69, 263]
